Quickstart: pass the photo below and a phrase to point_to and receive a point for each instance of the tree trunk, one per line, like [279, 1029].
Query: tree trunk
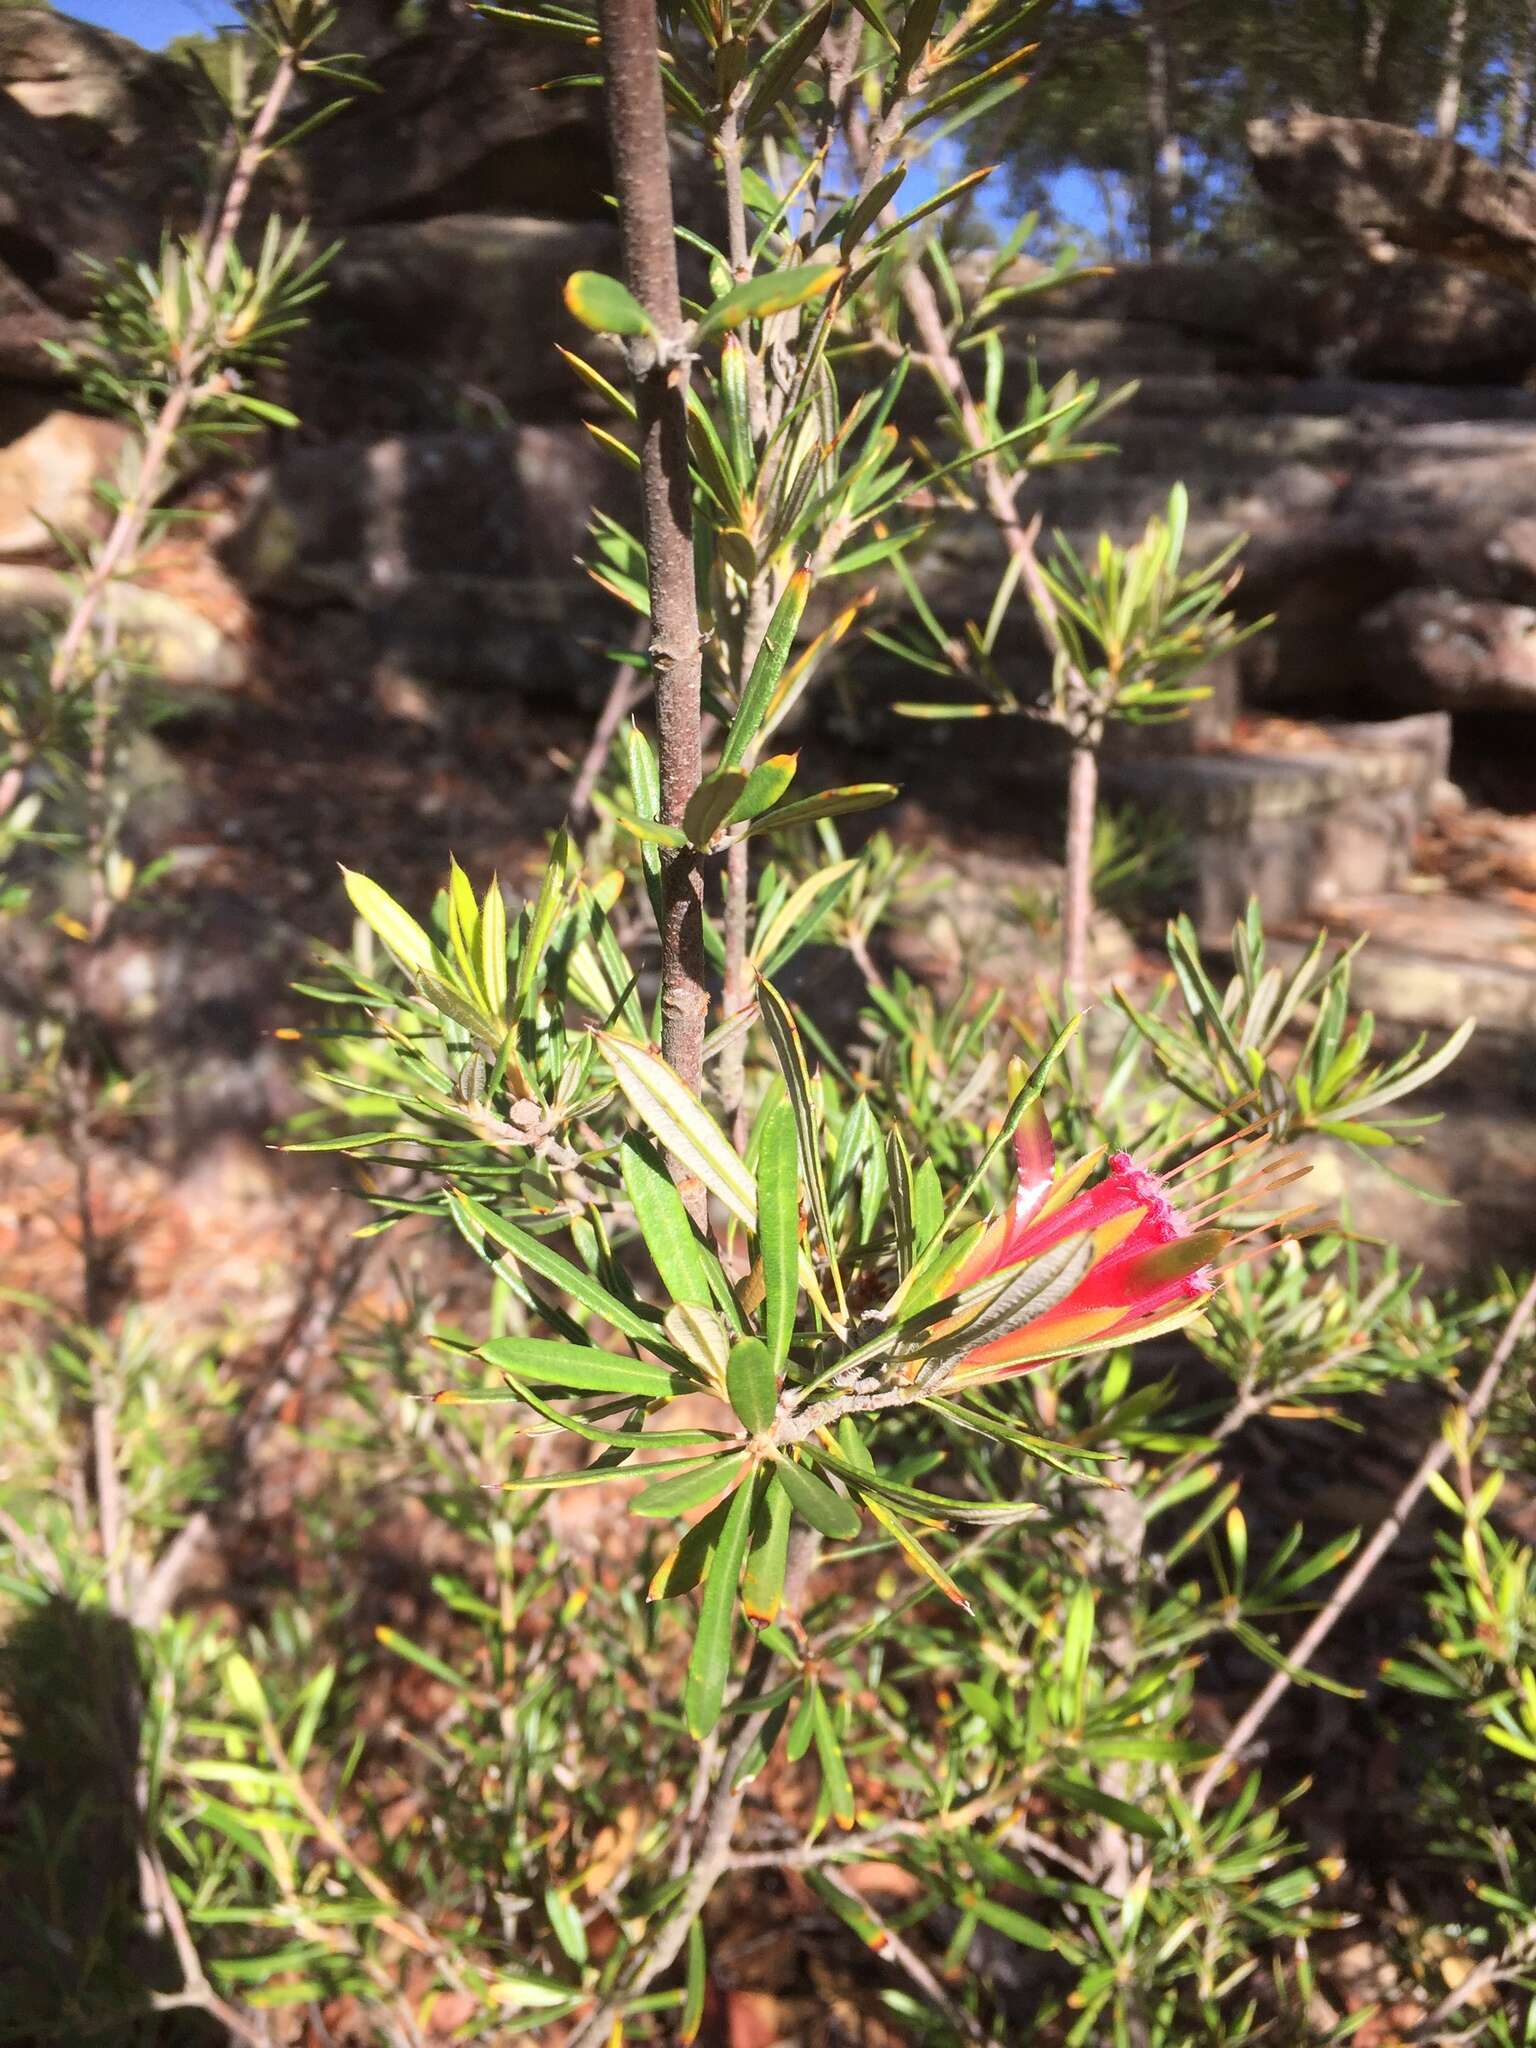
[1448, 105]
[1165, 164]
[1077, 877]
[1519, 105]
[1373, 30]
[643, 176]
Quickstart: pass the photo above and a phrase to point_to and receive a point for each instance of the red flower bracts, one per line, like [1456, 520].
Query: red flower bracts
[1123, 1263]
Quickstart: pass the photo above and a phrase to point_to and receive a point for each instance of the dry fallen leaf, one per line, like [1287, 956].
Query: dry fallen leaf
[613, 1848]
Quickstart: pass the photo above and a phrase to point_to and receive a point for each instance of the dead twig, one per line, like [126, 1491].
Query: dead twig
[1434, 1460]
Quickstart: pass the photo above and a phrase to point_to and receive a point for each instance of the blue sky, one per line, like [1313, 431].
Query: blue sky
[152, 21]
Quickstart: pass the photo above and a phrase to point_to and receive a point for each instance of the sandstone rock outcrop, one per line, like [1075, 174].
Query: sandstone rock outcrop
[110, 107]
[1338, 314]
[51, 460]
[459, 548]
[1388, 187]
[1468, 653]
[428, 322]
[457, 123]
[171, 641]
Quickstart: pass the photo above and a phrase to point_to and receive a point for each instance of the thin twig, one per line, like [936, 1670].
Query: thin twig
[1436, 1456]
[1077, 875]
[127, 528]
[1509, 1962]
[40, 1562]
[196, 1991]
[1000, 489]
[712, 1858]
[109, 1514]
[893, 1949]
[624, 694]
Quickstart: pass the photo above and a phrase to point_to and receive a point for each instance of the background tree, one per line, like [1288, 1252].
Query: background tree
[1147, 101]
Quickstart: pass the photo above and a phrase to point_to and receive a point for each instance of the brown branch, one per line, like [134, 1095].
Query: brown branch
[637, 128]
[1435, 1458]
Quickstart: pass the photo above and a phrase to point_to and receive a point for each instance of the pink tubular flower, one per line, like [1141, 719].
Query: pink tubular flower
[1147, 1268]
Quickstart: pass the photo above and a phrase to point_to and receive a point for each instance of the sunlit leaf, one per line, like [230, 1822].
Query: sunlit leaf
[605, 305]
[680, 1123]
[710, 1664]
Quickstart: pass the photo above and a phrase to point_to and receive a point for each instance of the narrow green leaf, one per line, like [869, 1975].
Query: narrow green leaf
[684, 1491]
[395, 926]
[680, 1123]
[818, 1503]
[244, 1687]
[916, 27]
[511, 1992]
[645, 788]
[762, 1585]
[836, 1783]
[550, 1364]
[914, 1552]
[1083, 1792]
[264, 409]
[695, 1986]
[830, 803]
[876, 19]
[683, 1568]
[765, 786]
[801, 1728]
[488, 1033]
[845, 1905]
[795, 921]
[566, 1923]
[704, 1692]
[790, 1053]
[541, 922]
[664, 1223]
[492, 938]
[775, 73]
[650, 830]
[776, 291]
[939, 199]
[751, 1384]
[778, 1229]
[916, 1500]
[589, 1432]
[701, 1336]
[476, 1223]
[736, 403]
[712, 804]
[769, 665]
[869, 209]
[1007, 1920]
